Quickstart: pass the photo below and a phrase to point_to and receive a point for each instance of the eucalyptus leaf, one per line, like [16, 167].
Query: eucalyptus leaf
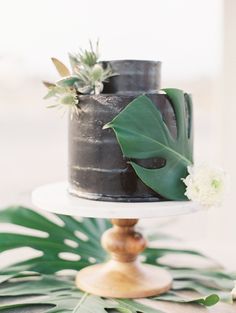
[142, 133]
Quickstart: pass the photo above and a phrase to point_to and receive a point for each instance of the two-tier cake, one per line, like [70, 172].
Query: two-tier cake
[97, 92]
[97, 168]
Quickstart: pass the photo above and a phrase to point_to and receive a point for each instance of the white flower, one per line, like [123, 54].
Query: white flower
[205, 185]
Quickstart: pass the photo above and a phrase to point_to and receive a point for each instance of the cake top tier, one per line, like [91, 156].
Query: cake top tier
[134, 76]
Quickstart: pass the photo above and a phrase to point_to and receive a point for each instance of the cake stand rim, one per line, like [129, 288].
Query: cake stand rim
[54, 198]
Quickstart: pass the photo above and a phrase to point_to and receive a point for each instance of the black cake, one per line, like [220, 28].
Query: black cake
[97, 168]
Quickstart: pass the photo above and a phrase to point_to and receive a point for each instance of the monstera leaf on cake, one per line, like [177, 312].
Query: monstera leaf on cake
[142, 134]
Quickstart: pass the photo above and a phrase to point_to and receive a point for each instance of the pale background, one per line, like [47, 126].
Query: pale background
[196, 42]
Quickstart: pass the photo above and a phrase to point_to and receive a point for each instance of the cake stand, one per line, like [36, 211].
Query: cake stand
[123, 276]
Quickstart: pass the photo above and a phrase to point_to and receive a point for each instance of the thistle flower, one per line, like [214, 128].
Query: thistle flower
[205, 185]
[63, 97]
[88, 57]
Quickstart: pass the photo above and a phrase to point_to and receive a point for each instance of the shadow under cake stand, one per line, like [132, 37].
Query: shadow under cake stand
[123, 276]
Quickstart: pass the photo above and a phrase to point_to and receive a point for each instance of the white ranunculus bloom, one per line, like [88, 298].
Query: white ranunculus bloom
[205, 185]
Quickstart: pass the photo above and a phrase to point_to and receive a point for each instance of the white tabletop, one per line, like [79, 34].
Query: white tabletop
[56, 199]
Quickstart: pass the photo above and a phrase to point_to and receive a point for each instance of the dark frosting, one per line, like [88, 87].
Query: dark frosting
[97, 168]
[135, 76]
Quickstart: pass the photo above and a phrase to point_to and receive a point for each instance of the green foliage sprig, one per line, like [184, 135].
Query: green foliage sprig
[87, 57]
[87, 77]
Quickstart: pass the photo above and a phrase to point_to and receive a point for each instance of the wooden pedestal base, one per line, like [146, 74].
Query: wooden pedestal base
[123, 276]
[124, 280]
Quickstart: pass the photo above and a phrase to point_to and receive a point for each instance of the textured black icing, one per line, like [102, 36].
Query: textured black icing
[135, 76]
[97, 169]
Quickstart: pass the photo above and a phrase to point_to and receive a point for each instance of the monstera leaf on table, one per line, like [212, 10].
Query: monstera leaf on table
[64, 243]
[142, 134]
[34, 283]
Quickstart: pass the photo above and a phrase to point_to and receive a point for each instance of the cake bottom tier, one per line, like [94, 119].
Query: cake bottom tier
[97, 168]
[122, 187]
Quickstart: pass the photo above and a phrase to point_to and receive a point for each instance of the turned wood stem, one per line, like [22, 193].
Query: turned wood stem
[122, 242]
[123, 276]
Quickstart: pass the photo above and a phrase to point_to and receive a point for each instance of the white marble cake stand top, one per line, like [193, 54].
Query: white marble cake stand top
[56, 199]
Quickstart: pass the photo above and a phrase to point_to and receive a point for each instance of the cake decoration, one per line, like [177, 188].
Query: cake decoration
[87, 77]
[142, 133]
[206, 185]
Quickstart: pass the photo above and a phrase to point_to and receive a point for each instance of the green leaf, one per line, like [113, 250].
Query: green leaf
[5, 277]
[68, 81]
[175, 297]
[152, 254]
[64, 301]
[58, 239]
[209, 301]
[34, 285]
[62, 238]
[142, 133]
[88, 303]
[25, 284]
[63, 297]
[208, 278]
[61, 68]
[224, 294]
[132, 306]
